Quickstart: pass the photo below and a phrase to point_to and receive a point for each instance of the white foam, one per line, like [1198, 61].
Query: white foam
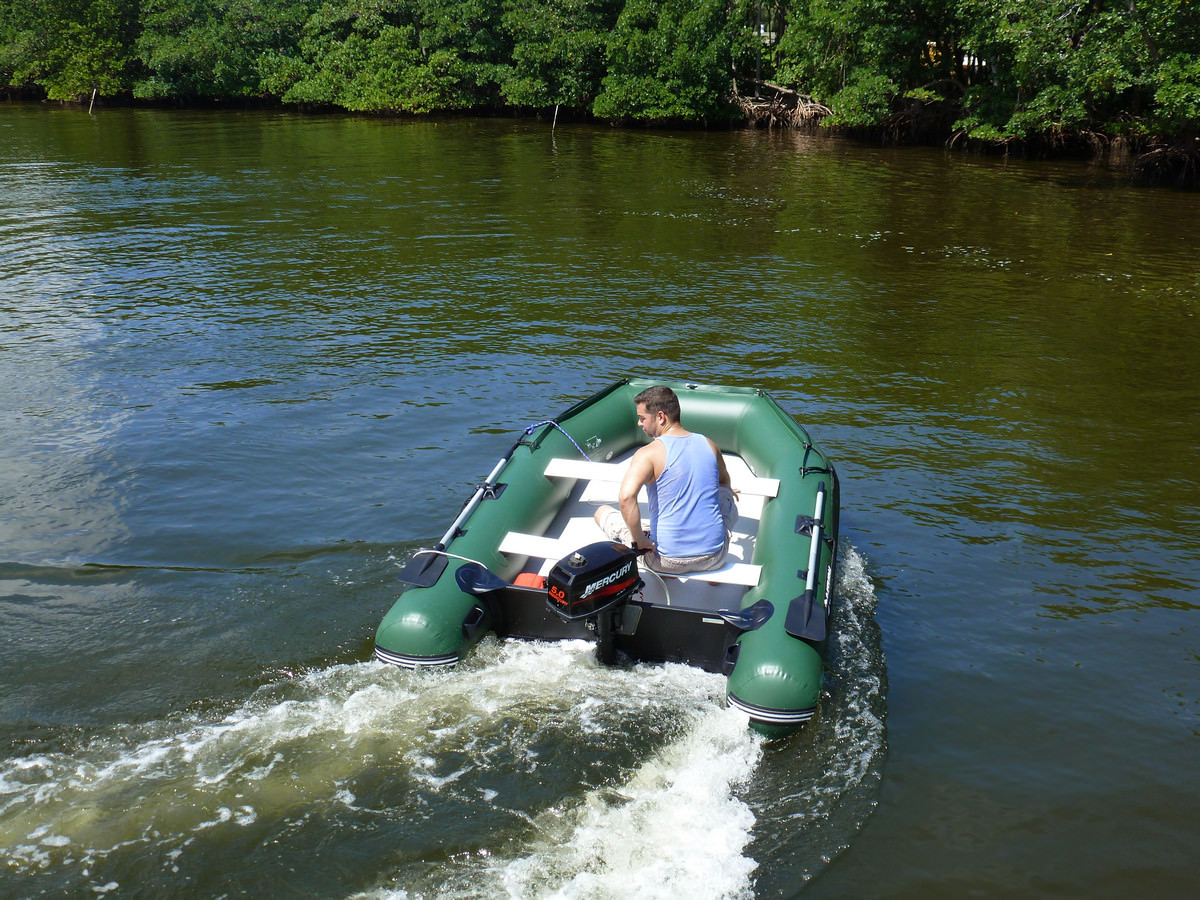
[327, 725]
[672, 826]
[674, 823]
[675, 829]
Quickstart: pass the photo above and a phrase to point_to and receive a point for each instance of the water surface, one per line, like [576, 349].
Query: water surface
[251, 361]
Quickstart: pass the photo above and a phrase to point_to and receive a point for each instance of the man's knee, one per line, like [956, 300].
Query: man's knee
[612, 524]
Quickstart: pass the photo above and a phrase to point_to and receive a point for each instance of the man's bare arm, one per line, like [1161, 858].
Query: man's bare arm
[723, 478]
[639, 474]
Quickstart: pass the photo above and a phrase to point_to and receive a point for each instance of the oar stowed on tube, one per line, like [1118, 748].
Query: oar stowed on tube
[432, 561]
[806, 615]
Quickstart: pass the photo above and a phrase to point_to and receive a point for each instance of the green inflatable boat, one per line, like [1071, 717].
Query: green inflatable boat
[525, 559]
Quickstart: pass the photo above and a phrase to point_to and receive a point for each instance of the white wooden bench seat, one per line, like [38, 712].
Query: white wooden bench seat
[604, 480]
[551, 550]
[740, 476]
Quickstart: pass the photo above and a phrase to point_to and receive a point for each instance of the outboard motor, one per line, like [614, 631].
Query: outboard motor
[593, 583]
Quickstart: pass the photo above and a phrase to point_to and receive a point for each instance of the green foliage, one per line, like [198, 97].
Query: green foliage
[558, 51]
[412, 55]
[1177, 94]
[865, 100]
[668, 60]
[469, 36]
[857, 55]
[1171, 31]
[68, 47]
[213, 48]
[1013, 69]
[1061, 66]
[348, 55]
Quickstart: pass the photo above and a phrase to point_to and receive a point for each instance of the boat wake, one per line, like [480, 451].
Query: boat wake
[814, 792]
[528, 770]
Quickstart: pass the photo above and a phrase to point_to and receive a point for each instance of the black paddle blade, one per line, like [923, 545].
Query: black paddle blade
[424, 569]
[475, 579]
[751, 617]
[805, 618]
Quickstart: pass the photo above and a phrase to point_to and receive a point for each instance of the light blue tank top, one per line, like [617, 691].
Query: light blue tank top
[685, 511]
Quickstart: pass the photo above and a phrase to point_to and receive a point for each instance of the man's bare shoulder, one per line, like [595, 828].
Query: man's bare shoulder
[652, 449]
[647, 460]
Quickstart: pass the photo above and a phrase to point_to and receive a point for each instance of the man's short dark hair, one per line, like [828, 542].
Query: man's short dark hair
[659, 398]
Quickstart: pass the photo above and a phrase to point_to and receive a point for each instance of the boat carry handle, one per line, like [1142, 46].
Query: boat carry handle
[488, 488]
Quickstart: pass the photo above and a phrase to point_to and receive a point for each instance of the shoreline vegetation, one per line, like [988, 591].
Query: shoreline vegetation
[1114, 80]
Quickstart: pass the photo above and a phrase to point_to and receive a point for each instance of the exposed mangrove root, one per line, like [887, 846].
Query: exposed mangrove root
[1176, 165]
[779, 106]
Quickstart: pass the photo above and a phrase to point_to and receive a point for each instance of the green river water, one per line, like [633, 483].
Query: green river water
[251, 361]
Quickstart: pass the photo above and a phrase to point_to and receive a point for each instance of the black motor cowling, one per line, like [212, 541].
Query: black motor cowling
[592, 579]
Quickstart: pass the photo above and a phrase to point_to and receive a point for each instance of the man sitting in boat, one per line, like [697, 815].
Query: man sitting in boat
[692, 503]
